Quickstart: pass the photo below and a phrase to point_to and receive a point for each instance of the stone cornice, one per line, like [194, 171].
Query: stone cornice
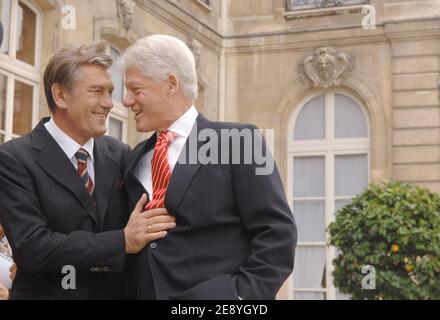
[182, 20]
[301, 41]
[293, 39]
[413, 29]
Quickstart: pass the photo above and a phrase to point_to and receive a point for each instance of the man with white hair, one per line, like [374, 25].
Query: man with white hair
[235, 235]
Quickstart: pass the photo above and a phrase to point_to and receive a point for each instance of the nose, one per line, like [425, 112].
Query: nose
[107, 102]
[128, 100]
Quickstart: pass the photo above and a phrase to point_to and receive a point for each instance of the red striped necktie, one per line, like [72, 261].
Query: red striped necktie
[160, 170]
[82, 155]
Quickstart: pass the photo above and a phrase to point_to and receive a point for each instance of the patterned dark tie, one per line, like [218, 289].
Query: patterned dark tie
[160, 170]
[82, 156]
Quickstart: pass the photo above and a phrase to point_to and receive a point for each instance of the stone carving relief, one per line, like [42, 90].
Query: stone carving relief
[326, 67]
[125, 12]
[196, 48]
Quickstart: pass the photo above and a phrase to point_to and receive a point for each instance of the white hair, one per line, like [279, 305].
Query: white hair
[158, 56]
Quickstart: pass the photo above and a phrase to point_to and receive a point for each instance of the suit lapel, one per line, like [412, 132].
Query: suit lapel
[106, 168]
[55, 163]
[184, 170]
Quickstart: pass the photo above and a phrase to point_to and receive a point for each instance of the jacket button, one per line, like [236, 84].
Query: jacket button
[153, 245]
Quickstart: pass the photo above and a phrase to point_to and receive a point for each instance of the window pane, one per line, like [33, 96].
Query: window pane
[23, 94]
[309, 267]
[349, 118]
[3, 90]
[26, 25]
[5, 18]
[115, 128]
[341, 203]
[311, 120]
[351, 174]
[309, 296]
[117, 77]
[309, 179]
[310, 217]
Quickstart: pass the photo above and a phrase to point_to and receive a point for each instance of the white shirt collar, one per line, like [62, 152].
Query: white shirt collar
[183, 126]
[67, 144]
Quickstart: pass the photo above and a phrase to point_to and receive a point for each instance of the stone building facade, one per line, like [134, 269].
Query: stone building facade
[349, 88]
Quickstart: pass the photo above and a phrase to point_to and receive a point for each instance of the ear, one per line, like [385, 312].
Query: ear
[173, 84]
[59, 96]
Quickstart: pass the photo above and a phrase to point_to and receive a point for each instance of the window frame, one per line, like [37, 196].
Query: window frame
[17, 70]
[204, 5]
[329, 148]
[10, 60]
[118, 112]
[311, 6]
[123, 120]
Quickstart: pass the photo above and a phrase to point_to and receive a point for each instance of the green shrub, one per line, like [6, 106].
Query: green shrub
[395, 228]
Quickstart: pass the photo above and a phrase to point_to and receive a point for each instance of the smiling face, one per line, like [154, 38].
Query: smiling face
[85, 107]
[151, 101]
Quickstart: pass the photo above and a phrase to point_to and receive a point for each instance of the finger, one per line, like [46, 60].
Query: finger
[154, 236]
[140, 204]
[155, 212]
[162, 227]
[159, 219]
[153, 228]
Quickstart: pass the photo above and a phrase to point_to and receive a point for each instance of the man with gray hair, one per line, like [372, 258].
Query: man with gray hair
[235, 235]
[62, 205]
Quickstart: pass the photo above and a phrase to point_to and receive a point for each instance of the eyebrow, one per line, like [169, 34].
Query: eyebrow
[133, 83]
[101, 87]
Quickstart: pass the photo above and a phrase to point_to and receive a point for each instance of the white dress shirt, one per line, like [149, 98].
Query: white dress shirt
[70, 147]
[182, 128]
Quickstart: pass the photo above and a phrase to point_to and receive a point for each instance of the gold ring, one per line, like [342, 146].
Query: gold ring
[149, 228]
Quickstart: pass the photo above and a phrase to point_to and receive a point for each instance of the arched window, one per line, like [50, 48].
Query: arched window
[19, 67]
[328, 161]
[117, 125]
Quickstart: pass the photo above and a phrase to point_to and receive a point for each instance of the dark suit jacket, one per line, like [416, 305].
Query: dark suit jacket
[51, 221]
[235, 232]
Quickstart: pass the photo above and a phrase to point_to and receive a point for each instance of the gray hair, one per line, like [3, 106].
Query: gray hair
[158, 56]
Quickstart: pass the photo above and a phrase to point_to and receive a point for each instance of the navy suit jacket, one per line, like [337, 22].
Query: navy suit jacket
[51, 221]
[235, 233]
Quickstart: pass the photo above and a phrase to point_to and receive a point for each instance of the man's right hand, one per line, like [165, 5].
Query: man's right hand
[146, 226]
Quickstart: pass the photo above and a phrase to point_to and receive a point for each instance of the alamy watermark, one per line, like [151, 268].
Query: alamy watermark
[68, 21]
[369, 17]
[69, 280]
[369, 280]
[230, 146]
